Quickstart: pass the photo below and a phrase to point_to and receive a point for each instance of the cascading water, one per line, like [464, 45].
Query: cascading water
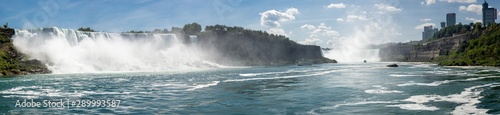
[353, 55]
[70, 51]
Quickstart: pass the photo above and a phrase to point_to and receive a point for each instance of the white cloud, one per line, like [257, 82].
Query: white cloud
[340, 20]
[338, 5]
[277, 31]
[324, 30]
[459, 1]
[352, 18]
[473, 19]
[478, 9]
[421, 26]
[318, 32]
[311, 41]
[273, 18]
[387, 7]
[429, 2]
[425, 19]
[308, 27]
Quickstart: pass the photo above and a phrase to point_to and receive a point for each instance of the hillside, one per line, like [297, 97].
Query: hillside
[243, 47]
[459, 45]
[482, 51]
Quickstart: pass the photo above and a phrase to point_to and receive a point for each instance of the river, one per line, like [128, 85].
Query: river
[344, 88]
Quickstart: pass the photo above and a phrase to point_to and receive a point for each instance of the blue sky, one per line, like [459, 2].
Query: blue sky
[319, 22]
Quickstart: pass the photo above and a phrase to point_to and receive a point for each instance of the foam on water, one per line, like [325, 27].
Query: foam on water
[381, 90]
[437, 83]
[280, 72]
[467, 98]
[282, 77]
[33, 92]
[348, 104]
[199, 86]
[267, 73]
[403, 75]
[415, 107]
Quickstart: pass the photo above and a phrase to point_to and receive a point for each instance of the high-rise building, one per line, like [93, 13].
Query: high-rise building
[443, 24]
[428, 32]
[451, 19]
[489, 14]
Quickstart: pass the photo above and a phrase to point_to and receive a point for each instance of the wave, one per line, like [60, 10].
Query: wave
[381, 90]
[267, 73]
[403, 75]
[281, 77]
[34, 92]
[348, 104]
[415, 107]
[199, 86]
[467, 98]
[280, 72]
[437, 83]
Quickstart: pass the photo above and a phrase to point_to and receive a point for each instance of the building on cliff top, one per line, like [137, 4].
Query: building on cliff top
[489, 14]
[428, 32]
[451, 19]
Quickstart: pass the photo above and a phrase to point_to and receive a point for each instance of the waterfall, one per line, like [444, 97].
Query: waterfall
[71, 51]
[353, 55]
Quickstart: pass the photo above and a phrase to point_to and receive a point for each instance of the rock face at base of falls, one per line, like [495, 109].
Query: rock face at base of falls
[242, 47]
[13, 62]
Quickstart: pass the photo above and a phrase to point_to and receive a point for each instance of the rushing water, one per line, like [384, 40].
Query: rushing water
[71, 51]
[357, 88]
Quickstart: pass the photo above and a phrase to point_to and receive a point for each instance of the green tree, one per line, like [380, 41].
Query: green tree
[87, 29]
[192, 29]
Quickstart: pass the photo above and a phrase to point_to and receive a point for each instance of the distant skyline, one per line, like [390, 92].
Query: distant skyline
[310, 22]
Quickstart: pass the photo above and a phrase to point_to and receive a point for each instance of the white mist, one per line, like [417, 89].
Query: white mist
[70, 51]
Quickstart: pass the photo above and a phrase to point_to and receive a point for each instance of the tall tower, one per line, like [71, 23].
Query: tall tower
[451, 19]
[443, 24]
[428, 32]
[489, 14]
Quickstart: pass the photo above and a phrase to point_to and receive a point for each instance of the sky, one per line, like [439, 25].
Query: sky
[316, 22]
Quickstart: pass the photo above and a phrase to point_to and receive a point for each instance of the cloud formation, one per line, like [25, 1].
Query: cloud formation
[277, 31]
[429, 2]
[459, 1]
[352, 18]
[478, 9]
[421, 26]
[338, 5]
[273, 18]
[425, 19]
[340, 20]
[317, 32]
[387, 7]
[311, 41]
[307, 27]
[473, 19]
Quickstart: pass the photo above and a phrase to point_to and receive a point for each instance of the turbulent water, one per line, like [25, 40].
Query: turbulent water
[70, 51]
[356, 88]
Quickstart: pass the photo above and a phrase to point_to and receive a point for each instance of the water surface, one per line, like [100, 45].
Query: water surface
[356, 88]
